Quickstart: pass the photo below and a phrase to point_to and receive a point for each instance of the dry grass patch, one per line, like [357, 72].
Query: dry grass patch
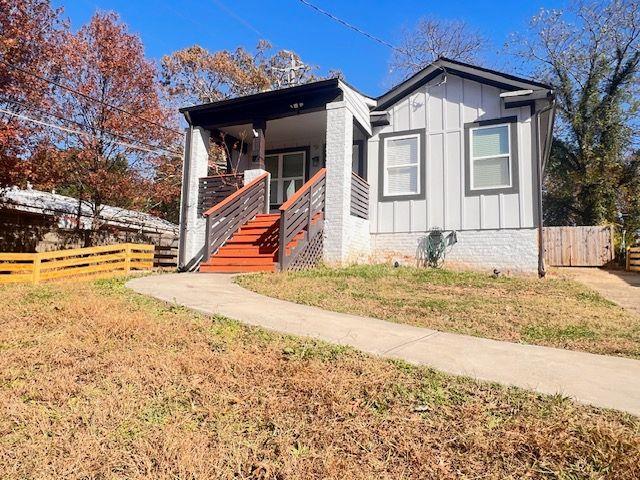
[97, 382]
[553, 312]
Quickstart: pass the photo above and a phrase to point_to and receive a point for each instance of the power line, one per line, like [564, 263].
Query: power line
[237, 17]
[88, 97]
[353, 27]
[80, 124]
[75, 132]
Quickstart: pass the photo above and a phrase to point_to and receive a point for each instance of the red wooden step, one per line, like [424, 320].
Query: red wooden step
[235, 261]
[237, 268]
[244, 238]
[246, 250]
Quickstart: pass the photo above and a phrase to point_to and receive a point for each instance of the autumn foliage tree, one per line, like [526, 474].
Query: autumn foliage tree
[30, 37]
[195, 75]
[590, 53]
[126, 133]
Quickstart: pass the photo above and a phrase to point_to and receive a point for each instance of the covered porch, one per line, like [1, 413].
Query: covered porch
[292, 162]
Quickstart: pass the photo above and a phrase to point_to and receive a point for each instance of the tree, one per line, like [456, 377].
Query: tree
[105, 164]
[195, 75]
[591, 55]
[30, 35]
[432, 38]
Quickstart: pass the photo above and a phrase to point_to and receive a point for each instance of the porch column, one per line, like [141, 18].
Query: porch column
[258, 147]
[338, 182]
[192, 226]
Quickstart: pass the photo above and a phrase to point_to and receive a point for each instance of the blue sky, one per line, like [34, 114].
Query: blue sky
[169, 25]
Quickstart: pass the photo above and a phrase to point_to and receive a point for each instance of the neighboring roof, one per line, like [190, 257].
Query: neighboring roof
[65, 209]
[488, 76]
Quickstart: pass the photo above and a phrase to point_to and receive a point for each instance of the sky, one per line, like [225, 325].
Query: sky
[169, 25]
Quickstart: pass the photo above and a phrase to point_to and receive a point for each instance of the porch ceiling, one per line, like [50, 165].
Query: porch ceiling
[288, 129]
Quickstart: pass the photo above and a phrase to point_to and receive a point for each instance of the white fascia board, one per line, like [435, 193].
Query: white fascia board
[358, 105]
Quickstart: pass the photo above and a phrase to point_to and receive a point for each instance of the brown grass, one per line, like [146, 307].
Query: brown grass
[553, 312]
[96, 382]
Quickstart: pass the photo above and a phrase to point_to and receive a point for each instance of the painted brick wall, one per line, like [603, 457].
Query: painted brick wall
[193, 226]
[338, 193]
[507, 250]
[358, 240]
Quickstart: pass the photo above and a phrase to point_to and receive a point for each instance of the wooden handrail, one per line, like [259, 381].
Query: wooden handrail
[358, 176]
[319, 174]
[235, 195]
[301, 214]
[228, 216]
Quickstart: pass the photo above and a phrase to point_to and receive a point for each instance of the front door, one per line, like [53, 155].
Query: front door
[287, 171]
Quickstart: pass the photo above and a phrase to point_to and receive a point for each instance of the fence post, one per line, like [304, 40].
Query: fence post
[628, 255]
[36, 268]
[127, 258]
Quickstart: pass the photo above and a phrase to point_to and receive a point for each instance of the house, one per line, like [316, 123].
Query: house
[38, 221]
[323, 172]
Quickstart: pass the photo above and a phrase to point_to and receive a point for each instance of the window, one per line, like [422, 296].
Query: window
[492, 157]
[401, 165]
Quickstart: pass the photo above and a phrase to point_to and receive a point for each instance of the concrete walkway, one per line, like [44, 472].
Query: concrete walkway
[618, 286]
[594, 379]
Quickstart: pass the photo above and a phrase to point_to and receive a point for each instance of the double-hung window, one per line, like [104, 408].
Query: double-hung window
[402, 165]
[492, 159]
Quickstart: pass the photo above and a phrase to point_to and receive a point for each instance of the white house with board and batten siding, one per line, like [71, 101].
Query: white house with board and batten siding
[448, 163]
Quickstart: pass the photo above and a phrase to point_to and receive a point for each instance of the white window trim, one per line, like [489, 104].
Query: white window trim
[404, 165]
[473, 159]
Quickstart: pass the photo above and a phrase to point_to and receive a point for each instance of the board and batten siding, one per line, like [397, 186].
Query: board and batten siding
[442, 110]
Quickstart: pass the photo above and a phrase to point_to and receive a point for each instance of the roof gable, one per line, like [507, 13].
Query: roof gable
[503, 81]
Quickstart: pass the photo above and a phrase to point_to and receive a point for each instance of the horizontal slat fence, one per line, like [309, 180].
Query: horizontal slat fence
[588, 246]
[359, 196]
[165, 256]
[633, 259]
[212, 190]
[75, 263]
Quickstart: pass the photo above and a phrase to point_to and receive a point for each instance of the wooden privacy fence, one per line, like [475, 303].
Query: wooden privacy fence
[75, 263]
[578, 246]
[165, 256]
[633, 259]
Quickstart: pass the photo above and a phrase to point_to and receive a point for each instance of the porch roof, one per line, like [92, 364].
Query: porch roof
[265, 105]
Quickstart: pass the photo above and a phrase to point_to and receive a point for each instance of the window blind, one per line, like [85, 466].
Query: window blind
[401, 166]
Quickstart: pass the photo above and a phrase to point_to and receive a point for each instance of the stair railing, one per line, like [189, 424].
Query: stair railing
[225, 218]
[301, 216]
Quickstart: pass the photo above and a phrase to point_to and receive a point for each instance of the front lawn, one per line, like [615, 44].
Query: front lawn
[554, 312]
[98, 382]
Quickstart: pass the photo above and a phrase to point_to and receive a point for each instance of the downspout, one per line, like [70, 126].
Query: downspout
[184, 194]
[543, 157]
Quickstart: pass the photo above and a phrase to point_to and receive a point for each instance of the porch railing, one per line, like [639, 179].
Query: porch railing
[301, 219]
[212, 190]
[226, 217]
[359, 196]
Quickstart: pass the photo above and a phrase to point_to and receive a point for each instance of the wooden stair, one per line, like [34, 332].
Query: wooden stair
[253, 248]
